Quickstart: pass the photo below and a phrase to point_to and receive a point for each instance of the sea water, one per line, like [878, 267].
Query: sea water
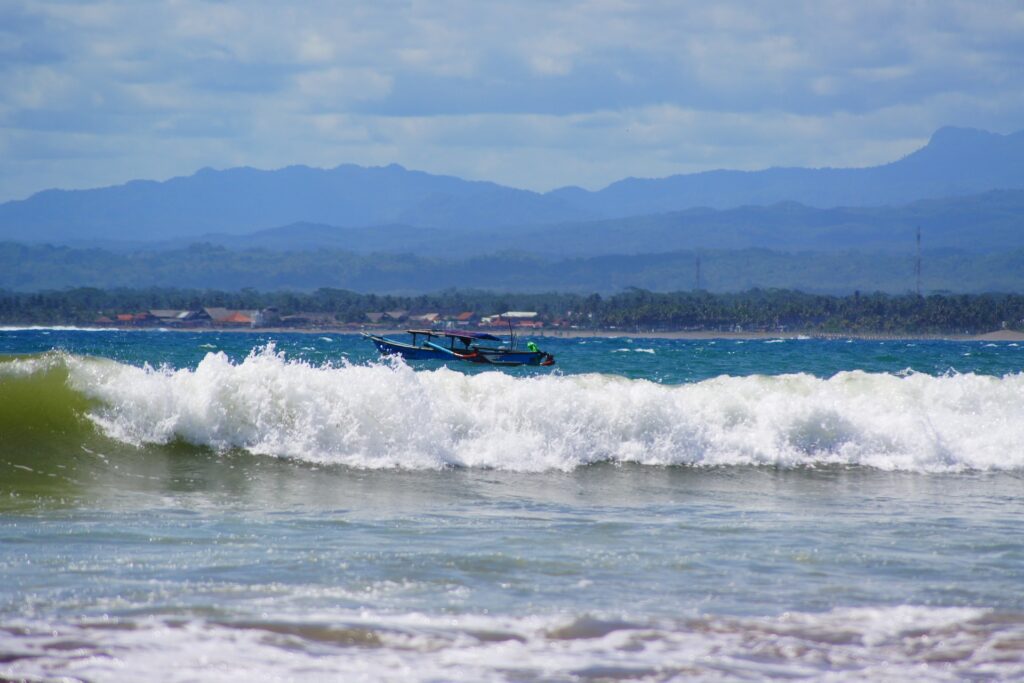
[237, 507]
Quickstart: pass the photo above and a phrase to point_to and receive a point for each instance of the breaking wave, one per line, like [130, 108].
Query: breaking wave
[895, 643]
[391, 416]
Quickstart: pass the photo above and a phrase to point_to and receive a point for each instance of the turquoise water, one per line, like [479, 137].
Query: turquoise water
[662, 360]
[178, 506]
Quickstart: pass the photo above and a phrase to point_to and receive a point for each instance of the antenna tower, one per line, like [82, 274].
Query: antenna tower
[697, 267]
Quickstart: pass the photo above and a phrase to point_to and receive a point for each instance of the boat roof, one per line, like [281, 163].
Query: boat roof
[461, 334]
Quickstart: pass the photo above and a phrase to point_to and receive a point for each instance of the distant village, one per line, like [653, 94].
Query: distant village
[223, 318]
[768, 311]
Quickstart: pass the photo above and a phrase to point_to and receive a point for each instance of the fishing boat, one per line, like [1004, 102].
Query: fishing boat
[462, 345]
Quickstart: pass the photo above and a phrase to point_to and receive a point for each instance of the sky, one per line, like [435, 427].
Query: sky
[532, 94]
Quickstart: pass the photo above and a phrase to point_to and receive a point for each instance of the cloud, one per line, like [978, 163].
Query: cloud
[533, 93]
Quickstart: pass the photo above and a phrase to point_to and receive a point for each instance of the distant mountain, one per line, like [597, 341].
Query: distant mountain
[242, 200]
[956, 161]
[989, 221]
[33, 268]
[396, 238]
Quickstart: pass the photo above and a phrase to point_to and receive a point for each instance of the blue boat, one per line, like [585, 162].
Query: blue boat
[462, 345]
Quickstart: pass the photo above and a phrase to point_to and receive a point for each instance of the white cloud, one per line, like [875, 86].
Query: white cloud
[533, 93]
[338, 85]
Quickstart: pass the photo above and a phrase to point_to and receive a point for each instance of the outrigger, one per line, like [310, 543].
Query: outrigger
[461, 345]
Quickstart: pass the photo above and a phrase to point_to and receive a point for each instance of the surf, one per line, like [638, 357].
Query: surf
[884, 643]
[390, 415]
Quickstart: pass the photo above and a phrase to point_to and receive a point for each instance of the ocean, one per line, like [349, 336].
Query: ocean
[180, 506]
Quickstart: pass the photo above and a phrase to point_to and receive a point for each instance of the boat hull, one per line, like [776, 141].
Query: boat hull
[472, 354]
[513, 357]
[387, 347]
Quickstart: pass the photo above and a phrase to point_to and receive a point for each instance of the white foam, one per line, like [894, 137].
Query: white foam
[388, 415]
[72, 328]
[887, 643]
[24, 367]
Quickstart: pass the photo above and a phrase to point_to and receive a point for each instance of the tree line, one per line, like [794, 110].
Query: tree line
[764, 309]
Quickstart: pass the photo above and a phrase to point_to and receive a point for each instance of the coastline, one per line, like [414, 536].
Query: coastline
[696, 335]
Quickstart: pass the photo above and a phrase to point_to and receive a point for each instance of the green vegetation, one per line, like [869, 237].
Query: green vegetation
[32, 268]
[634, 309]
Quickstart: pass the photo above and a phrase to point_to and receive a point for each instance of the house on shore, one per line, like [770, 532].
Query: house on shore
[178, 318]
[127, 319]
[528, 319]
[428, 318]
[229, 318]
[266, 317]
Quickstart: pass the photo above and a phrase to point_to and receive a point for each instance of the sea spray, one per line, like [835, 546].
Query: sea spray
[388, 415]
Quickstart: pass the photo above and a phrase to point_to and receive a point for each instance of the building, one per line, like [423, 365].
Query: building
[178, 317]
[517, 318]
[239, 319]
[228, 317]
[267, 317]
[425, 318]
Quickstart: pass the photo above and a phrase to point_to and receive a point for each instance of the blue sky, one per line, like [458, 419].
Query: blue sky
[530, 94]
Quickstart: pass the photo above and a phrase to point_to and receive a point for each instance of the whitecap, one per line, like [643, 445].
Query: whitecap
[387, 415]
[900, 642]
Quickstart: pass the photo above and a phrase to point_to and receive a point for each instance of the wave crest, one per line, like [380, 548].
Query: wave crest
[388, 415]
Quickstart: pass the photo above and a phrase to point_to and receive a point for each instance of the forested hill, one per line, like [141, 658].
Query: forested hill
[35, 268]
[990, 221]
[237, 201]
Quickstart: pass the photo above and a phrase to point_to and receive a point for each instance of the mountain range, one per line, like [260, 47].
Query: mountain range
[389, 229]
[218, 205]
[989, 221]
